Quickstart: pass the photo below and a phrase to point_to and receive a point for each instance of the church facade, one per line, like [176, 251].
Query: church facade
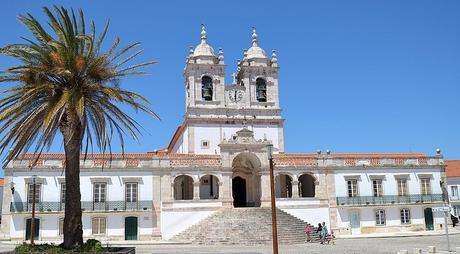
[218, 159]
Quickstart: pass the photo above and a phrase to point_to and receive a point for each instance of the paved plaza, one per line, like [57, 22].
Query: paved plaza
[342, 246]
[362, 245]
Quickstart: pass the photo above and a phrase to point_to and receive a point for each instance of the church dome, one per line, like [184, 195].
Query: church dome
[203, 49]
[255, 51]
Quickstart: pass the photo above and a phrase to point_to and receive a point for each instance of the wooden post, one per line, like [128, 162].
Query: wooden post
[272, 189]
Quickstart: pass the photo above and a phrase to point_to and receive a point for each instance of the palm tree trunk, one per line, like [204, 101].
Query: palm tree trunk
[73, 229]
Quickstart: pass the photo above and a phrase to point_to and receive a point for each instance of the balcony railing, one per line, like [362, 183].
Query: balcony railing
[389, 200]
[142, 205]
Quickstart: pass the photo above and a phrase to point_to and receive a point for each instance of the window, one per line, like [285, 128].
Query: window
[61, 226]
[456, 210]
[425, 187]
[31, 191]
[380, 217]
[62, 193]
[377, 188]
[204, 144]
[405, 216]
[352, 188]
[261, 90]
[402, 187]
[206, 88]
[99, 192]
[131, 192]
[98, 225]
[454, 190]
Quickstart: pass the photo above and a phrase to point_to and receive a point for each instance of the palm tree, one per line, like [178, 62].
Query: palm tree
[66, 83]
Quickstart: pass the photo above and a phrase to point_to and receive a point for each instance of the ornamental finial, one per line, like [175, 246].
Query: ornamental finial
[254, 37]
[203, 33]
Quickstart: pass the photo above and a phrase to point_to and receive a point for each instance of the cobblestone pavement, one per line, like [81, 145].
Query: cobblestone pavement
[342, 246]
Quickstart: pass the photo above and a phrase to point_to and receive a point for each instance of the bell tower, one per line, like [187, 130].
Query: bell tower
[204, 77]
[260, 76]
[216, 111]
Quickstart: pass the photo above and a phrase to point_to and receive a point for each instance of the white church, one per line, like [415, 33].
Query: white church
[217, 161]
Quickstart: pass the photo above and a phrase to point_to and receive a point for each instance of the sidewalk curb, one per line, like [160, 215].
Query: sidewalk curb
[392, 236]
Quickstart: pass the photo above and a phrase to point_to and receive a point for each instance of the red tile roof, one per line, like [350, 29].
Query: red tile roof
[452, 168]
[179, 131]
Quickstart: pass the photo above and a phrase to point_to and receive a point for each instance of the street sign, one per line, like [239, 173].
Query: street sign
[440, 209]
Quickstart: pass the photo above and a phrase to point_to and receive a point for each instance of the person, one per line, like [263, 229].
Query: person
[323, 233]
[319, 230]
[332, 236]
[307, 232]
[454, 220]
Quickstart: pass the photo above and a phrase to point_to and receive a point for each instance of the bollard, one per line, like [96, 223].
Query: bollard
[417, 251]
[431, 249]
[403, 252]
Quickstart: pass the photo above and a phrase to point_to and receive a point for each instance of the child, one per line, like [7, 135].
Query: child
[332, 236]
[307, 232]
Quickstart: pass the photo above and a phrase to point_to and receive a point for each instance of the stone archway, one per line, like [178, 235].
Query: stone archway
[307, 186]
[246, 180]
[239, 192]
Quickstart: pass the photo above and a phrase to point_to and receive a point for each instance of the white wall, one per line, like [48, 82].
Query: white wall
[173, 223]
[389, 182]
[115, 188]
[393, 217]
[311, 215]
[214, 133]
[49, 224]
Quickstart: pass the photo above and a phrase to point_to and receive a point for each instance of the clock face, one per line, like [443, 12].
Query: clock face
[235, 95]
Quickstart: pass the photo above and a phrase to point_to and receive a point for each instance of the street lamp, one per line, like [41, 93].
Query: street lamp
[272, 190]
[32, 223]
[12, 184]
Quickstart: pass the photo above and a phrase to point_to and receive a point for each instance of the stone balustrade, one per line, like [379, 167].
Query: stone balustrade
[193, 160]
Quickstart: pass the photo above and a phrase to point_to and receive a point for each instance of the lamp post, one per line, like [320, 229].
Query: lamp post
[12, 184]
[272, 190]
[32, 222]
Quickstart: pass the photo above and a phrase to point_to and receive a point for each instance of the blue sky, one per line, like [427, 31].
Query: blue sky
[356, 76]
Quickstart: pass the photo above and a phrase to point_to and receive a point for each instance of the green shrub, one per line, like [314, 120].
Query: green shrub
[91, 245]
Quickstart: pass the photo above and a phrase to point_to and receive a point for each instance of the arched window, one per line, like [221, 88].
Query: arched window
[283, 186]
[209, 187]
[206, 88]
[261, 90]
[306, 186]
[183, 188]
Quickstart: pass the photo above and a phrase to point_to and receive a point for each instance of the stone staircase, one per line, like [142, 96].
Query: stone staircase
[246, 226]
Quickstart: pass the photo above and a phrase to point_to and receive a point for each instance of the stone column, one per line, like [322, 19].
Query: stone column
[265, 190]
[295, 189]
[196, 190]
[156, 211]
[221, 190]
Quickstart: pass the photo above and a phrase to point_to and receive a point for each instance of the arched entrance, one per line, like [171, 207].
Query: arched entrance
[246, 180]
[183, 188]
[306, 186]
[239, 192]
[283, 186]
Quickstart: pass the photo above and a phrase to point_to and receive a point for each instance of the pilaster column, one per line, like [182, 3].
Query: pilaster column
[196, 190]
[6, 213]
[295, 189]
[221, 190]
[265, 190]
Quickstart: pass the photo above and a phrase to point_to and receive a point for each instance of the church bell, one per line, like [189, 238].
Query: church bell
[207, 94]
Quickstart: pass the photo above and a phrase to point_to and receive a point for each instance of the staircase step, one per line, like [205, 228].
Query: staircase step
[247, 226]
